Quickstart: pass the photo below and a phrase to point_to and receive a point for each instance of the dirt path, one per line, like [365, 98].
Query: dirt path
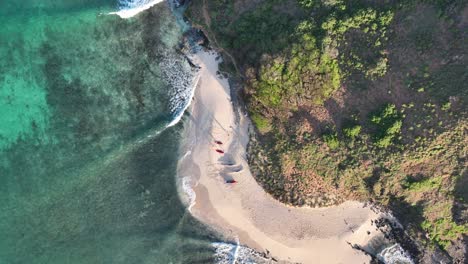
[211, 36]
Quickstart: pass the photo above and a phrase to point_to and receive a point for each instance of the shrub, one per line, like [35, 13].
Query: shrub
[262, 123]
[352, 132]
[307, 3]
[443, 230]
[387, 122]
[302, 71]
[446, 106]
[331, 140]
[424, 185]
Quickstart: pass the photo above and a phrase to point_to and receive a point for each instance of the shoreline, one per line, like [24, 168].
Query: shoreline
[244, 211]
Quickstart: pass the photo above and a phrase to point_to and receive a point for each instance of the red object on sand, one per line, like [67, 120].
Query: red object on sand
[220, 151]
[231, 181]
[218, 142]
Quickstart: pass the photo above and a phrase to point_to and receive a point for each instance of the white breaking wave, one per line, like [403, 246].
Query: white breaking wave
[130, 8]
[182, 80]
[177, 72]
[226, 253]
[186, 99]
[186, 186]
[186, 154]
[394, 255]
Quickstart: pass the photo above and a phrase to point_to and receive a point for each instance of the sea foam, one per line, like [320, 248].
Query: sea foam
[177, 72]
[130, 8]
[183, 80]
[189, 192]
[394, 254]
[227, 253]
[181, 102]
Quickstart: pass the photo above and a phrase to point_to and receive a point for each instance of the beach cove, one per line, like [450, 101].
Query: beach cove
[244, 211]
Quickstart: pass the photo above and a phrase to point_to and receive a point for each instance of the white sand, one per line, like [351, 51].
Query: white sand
[244, 210]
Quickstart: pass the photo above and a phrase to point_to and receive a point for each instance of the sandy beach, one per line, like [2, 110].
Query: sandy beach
[244, 211]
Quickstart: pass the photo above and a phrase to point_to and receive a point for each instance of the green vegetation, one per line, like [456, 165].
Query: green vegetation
[271, 36]
[331, 140]
[443, 230]
[369, 27]
[283, 80]
[262, 123]
[352, 132]
[356, 100]
[387, 123]
[424, 185]
[307, 3]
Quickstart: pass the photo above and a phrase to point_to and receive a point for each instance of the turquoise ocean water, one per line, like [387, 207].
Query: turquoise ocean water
[87, 165]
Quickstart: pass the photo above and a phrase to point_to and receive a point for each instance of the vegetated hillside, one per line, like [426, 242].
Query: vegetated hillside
[356, 99]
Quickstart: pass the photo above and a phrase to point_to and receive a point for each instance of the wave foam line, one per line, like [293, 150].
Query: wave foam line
[236, 251]
[187, 103]
[227, 253]
[182, 79]
[132, 8]
[192, 196]
[394, 255]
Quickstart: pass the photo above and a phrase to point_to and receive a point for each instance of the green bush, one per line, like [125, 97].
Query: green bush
[262, 123]
[331, 140]
[446, 106]
[301, 71]
[307, 3]
[352, 132]
[443, 230]
[387, 123]
[424, 185]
